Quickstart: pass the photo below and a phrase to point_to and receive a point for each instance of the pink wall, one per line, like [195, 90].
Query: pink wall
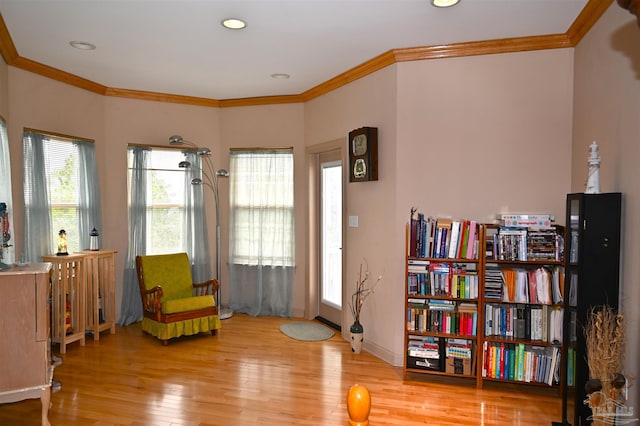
[607, 110]
[493, 99]
[466, 137]
[482, 135]
[370, 101]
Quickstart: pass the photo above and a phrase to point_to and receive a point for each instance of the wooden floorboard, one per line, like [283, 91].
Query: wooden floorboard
[252, 374]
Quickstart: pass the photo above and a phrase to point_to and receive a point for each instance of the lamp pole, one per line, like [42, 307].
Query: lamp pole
[210, 180]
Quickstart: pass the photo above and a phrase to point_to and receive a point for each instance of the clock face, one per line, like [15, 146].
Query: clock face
[359, 145]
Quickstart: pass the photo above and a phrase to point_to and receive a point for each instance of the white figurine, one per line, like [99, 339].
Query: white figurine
[593, 182]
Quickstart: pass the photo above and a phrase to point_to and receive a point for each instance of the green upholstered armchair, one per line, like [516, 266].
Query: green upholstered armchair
[173, 305]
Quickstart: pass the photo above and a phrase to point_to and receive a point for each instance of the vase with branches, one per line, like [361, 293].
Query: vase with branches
[361, 294]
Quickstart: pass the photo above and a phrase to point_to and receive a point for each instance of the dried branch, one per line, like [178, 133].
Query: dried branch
[362, 292]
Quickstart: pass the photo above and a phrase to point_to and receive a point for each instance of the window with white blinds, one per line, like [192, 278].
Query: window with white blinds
[165, 195]
[61, 192]
[262, 211]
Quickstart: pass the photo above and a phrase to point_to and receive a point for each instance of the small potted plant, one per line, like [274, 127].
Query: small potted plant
[357, 301]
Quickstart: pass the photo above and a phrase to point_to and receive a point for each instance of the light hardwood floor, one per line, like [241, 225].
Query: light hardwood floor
[252, 374]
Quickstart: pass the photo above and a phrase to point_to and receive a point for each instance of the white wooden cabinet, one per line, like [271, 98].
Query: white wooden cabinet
[25, 368]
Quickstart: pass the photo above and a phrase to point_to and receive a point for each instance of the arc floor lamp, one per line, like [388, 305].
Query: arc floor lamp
[210, 180]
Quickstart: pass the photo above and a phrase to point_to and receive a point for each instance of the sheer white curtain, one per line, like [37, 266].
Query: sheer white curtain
[195, 221]
[37, 213]
[89, 212]
[262, 232]
[131, 306]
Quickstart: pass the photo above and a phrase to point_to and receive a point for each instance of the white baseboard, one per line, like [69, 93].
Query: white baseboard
[387, 356]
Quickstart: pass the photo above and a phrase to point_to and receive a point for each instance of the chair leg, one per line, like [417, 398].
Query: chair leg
[165, 342]
[214, 332]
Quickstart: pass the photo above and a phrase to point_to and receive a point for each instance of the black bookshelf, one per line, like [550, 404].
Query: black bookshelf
[592, 274]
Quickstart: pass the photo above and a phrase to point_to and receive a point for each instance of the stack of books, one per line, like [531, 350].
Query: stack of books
[425, 353]
[493, 282]
[526, 220]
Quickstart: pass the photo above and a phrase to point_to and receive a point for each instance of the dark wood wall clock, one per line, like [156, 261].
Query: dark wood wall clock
[363, 154]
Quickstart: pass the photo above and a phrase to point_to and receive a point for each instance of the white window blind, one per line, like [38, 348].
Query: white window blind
[61, 167]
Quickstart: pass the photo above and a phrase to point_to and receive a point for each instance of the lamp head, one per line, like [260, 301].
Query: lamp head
[184, 164]
[222, 173]
[196, 181]
[176, 140]
[204, 151]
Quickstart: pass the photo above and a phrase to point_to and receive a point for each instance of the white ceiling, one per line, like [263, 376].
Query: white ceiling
[178, 47]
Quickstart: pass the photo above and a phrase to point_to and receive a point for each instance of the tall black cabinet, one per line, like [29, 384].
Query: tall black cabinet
[592, 272]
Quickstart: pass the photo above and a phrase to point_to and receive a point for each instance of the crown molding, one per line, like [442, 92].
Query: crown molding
[58, 75]
[7, 48]
[263, 100]
[589, 15]
[593, 10]
[161, 97]
[489, 47]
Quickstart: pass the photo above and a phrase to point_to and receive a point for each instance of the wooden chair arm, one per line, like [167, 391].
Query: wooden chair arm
[209, 287]
[151, 300]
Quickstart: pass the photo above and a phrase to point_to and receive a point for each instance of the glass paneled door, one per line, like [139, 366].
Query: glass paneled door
[331, 237]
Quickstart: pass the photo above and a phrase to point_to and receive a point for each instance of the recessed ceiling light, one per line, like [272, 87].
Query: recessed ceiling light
[444, 3]
[234, 24]
[280, 75]
[82, 45]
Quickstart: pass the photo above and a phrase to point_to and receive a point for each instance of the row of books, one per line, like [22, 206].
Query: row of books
[452, 355]
[427, 278]
[443, 238]
[442, 316]
[531, 322]
[525, 243]
[521, 363]
[537, 285]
